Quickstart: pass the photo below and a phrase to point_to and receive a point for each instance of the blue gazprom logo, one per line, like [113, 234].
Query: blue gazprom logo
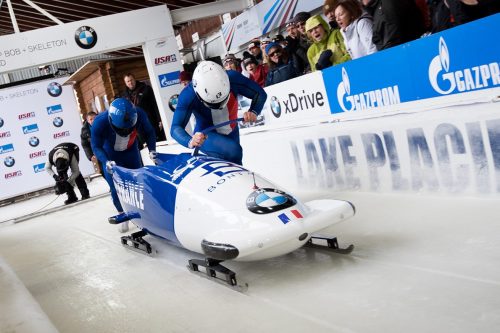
[30, 128]
[169, 79]
[6, 148]
[54, 109]
[39, 167]
[445, 82]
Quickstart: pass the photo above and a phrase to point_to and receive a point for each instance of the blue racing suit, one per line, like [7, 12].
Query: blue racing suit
[109, 146]
[224, 142]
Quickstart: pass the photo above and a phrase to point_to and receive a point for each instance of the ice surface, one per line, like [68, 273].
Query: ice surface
[421, 264]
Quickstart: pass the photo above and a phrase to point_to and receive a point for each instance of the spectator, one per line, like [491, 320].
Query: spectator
[394, 22]
[66, 156]
[185, 78]
[476, 9]
[211, 97]
[300, 22]
[297, 48]
[329, 12]
[254, 49]
[263, 43]
[280, 68]
[114, 142]
[328, 46]
[85, 140]
[142, 95]
[280, 40]
[231, 63]
[356, 28]
[258, 72]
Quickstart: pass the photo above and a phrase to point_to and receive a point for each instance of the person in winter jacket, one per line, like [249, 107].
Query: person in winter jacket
[356, 28]
[394, 22]
[258, 72]
[281, 68]
[328, 46]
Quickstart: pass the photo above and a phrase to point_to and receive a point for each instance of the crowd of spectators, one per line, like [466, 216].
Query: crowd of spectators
[355, 28]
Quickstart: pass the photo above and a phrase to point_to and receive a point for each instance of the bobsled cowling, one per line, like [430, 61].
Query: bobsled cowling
[221, 209]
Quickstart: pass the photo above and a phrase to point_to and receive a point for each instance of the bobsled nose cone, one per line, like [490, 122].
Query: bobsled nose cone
[219, 251]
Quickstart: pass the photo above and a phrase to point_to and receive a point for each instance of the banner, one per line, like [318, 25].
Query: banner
[263, 18]
[34, 118]
[433, 66]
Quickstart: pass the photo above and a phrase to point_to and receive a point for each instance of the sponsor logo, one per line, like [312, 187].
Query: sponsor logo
[172, 102]
[54, 109]
[85, 37]
[130, 193]
[30, 128]
[292, 215]
[6, 148]
[60, 135]
[165, 59]
[54, 89]
[39, 167]
[445, 82]
[169, 79]
[1, 122]
[268, 200]
[4, 134]
[57, 122]
[26, 115]
[367, 99]
[38, 154]
[9, 161]
[13, 174]
[275, 106]
[34, 141]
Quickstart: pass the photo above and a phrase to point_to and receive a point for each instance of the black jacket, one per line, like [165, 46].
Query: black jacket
[395, 22]
[85, 137]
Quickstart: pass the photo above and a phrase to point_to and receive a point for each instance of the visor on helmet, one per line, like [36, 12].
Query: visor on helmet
[214, 106]
[122, 131]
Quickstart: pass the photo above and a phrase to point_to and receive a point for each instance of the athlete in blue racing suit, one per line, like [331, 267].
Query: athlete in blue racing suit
[212, 98]
[114, 139]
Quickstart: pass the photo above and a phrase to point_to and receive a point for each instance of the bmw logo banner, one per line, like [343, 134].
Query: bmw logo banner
[85, 37]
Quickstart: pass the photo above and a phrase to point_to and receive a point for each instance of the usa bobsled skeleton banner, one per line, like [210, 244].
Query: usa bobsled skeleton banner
[33, 119]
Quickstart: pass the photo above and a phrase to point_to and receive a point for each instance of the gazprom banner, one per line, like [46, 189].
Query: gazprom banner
[440, 65]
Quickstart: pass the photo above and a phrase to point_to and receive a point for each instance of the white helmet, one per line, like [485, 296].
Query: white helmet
[211, 84]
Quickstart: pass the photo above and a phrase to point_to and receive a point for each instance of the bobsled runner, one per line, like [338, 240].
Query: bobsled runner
[222, 211]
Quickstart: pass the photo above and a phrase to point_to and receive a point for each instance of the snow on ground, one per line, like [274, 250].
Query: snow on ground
[421, 264]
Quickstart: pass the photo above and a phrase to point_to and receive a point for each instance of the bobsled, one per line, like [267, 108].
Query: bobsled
[221, 210]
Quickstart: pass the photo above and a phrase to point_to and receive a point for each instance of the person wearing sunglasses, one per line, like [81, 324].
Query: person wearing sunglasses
[212, 98]
[281, 68]
[114, 141]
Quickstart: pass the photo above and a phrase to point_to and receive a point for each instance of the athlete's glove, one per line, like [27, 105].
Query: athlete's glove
[56, 177]
[153, 155]
[109, 166]
[62, 186]
[324, 60]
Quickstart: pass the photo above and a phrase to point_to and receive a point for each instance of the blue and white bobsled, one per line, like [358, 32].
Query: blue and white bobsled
[220, 209]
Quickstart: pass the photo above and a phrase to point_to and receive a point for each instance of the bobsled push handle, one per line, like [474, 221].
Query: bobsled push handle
[211, 128]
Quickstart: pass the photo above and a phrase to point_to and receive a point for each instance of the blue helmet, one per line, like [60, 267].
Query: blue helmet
[122, 116]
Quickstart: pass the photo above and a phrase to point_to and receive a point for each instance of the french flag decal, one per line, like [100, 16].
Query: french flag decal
[294, 214]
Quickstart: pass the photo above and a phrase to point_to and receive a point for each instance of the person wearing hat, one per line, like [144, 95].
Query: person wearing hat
[296, 47]
[329, 12]
[66, 156]
[300, 22]
[258, 72]
[254, 49]
[281, 68]
[328, 46]
[230, 62]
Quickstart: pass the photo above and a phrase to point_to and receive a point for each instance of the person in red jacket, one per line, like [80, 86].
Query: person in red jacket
[258, 72]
